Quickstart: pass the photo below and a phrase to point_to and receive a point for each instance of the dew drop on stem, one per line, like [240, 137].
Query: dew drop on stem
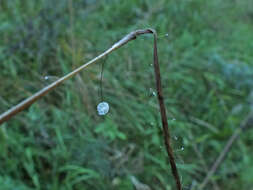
[50, 78]
[163, 36]
[180, 149]
[152, 92]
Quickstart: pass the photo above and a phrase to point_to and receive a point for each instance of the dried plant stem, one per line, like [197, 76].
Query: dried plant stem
[131, 36]
[27, 102]
[166, 133]
[248, 121]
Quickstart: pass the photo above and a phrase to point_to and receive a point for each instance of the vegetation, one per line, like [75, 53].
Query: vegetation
[61, 143]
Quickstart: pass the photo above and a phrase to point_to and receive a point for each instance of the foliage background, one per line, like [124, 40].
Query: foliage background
[61, 143]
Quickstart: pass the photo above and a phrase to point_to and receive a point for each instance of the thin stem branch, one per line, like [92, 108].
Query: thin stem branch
[166, 132]
[30, 100]
[131, 36]
[248, 121]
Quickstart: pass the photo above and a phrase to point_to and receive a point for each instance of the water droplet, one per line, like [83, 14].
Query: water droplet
[50, 78]
[175, 137]
[181, 149]
[152, 92]
[163, 36]
[151, 64]
[103, 108]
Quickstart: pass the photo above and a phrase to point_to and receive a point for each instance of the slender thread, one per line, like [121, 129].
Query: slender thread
[101, 80]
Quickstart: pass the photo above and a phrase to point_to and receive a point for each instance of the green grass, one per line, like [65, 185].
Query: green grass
[61, 143]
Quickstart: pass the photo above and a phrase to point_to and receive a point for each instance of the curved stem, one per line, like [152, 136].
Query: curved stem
[30, 100]
[131, 36]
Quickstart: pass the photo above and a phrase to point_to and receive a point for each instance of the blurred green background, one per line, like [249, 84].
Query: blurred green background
[61, 143]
